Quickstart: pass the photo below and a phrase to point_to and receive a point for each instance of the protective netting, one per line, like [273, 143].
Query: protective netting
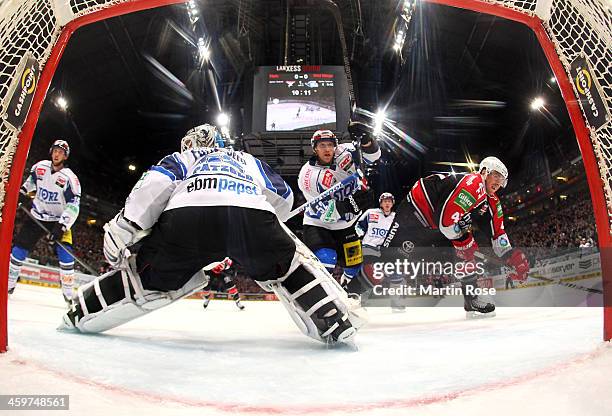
[525, 6]
[30, 26]
[575, 27]
[584, 27]
[83, 7]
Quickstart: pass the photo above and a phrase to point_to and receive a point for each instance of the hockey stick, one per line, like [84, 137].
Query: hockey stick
[497, 262]
[40, 224]
[343, 188]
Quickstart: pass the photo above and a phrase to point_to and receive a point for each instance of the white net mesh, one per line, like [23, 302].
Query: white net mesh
[585, 27]
[30, 27]
[575, 26]
[83, 7]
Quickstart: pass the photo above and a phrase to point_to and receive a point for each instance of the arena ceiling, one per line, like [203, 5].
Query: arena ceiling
[462, 85]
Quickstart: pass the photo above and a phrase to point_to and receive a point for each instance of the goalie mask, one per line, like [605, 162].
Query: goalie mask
[490, 164]
[204, 135]
[62, 144]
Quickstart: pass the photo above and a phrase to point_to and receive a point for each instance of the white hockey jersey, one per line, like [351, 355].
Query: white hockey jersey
[314, 179]
[374, 225]
[58, 194]
[207, 177]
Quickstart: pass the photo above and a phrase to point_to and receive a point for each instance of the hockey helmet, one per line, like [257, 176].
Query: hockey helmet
[490, 164]
[323, 135]
[205, 135]
[386, 195]
[62, 144]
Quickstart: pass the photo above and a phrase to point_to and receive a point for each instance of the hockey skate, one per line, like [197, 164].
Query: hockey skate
[478, 307]
[206, 302]
[239, 305]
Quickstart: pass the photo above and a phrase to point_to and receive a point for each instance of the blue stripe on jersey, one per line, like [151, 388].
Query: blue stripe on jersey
[68, 194]
[171, 167]
[164, 171]
[182, 166]
[273, 180]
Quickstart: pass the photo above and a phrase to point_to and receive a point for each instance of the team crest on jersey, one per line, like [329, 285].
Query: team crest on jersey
[373, 217]
[40, 171]
[61, 181]
[345, 162]
[465, 200]
[328, 179]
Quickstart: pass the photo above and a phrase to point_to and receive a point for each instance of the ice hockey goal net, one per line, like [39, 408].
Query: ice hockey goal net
[34, 33]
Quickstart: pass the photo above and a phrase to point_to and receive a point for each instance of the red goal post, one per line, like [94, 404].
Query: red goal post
[566, 29]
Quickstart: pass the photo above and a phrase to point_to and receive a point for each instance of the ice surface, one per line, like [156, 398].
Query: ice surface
[187, 360]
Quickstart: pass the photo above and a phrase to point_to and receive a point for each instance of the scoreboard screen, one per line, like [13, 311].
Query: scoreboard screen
[298, 98]
[301, 101]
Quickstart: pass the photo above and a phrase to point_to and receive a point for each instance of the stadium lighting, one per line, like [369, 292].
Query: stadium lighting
[553, 80]
[537, 103]
[203, 50]
[222, 120]
[61, 103]
[132, 167]
[379, 121]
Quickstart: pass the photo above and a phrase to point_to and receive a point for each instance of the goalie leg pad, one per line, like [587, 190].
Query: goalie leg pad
[315, 301]
[118, 297]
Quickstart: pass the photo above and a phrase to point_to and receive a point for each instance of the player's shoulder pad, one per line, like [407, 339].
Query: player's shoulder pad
[42, 164]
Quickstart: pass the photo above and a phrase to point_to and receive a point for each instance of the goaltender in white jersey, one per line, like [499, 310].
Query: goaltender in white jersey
[200, 211]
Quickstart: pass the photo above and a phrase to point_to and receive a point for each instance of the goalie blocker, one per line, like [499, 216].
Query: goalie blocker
[186, 242]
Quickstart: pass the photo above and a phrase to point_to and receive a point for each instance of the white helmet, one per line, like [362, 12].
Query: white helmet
[62, 144]
[490, 164]
[321, 135]
[386, 195]
[204, 135]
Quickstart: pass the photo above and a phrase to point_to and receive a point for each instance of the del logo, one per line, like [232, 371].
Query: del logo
[40, 171]
[465, 200]
[328, 179]
[344, 162]
[373, 218]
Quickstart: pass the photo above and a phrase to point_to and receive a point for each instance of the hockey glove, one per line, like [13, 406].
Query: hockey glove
[465, 223]
[363, 133]
[56, 232]
[119, 234]
[466, 248]
[518, 261]
[24, 198]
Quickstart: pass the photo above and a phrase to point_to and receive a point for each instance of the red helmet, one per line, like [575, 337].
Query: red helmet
[323, 135]
[62, 144]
